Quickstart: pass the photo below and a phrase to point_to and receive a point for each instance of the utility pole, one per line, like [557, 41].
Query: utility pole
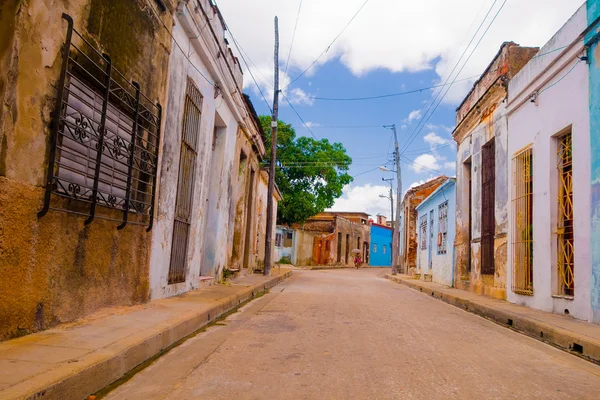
[391, 197]
[396, 244]
[271, 188]
[398, 171]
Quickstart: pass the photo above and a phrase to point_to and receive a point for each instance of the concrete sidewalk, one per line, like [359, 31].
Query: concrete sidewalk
[578, 337]
[73, 362]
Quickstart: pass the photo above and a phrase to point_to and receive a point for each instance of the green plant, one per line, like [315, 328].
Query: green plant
[313, 188]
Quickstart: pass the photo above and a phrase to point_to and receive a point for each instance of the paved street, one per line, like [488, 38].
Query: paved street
[348, 334]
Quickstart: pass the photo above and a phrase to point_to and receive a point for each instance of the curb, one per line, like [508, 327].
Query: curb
[572, 342]
[110, 369]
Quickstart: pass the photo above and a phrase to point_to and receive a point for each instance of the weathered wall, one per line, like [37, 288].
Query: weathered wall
[53, 268]
[591, 40]
[481, 117]
[490, 123]
[162, 235]
[261, 220]
[442, 265]
[244, 190]
[302, 253]
[557, 109]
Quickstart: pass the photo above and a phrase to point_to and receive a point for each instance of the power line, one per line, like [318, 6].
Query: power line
[428, 117]
[305, 125]
[346, 126]
[366, 172]
[382, 96]
[251, 74]
[328, 47]
[287, 63]
[414, 133]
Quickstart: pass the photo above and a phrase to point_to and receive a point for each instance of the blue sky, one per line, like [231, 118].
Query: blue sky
[391, 46]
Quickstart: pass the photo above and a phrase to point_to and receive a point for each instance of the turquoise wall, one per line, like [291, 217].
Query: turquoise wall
[381, 238]
[591, 40]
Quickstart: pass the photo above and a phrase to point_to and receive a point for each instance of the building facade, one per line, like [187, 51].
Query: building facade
[548, 145]
[482, 176]
[591, 42]
[74, 221]
[336, 235]
[210, 174]
[408, 216]
[436, 226]
[381, 245]
[129, 158]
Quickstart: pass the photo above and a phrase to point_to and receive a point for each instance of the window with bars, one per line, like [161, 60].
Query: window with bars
[522, 230]
[185, 182]
[423, 235]
[442, 228]
[278, 240]
[565, 236]
[384, 249]
[374, 247]
[105, 137]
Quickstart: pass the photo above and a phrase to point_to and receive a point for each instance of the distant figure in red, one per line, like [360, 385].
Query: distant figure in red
[357, 261]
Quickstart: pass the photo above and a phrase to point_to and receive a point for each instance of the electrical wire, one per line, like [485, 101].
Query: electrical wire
[287, 63]
[328, 47]
[382, 96]
[561, 78]
[404, 147]
[428, 117]
[301, 119]
[365, 172]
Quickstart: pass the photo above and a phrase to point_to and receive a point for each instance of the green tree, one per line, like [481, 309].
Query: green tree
[310, 173]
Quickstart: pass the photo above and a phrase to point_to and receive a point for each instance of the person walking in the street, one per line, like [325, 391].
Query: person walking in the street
[357, 261]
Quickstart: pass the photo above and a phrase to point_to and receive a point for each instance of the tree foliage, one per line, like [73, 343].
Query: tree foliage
[310, 173]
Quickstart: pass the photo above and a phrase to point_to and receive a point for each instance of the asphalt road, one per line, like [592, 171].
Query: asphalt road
[348, 334]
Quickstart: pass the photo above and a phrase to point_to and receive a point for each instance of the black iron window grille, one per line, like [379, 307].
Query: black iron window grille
[442, 228]
[105, 138]
[423, 236]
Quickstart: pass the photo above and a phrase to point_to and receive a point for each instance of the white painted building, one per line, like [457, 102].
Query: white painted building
[208, 176]
[435, 234]
[548, 146]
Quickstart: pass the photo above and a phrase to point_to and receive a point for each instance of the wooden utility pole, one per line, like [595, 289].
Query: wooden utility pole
[396, 237]
[271, 189]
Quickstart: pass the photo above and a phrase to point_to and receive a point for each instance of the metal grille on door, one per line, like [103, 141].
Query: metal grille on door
[185, 183]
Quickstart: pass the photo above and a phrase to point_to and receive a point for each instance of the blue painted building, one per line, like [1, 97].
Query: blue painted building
[591, 42]
[381, 246]
[436, 227]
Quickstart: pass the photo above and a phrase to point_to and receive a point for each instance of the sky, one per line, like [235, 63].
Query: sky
[389, 46]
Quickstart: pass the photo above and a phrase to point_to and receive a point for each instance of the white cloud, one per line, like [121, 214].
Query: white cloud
[426, 163]
[299, 96]
[312, 124]
[413, 115]
[401, 35]
[364, 199]
[451, 166]
[434, 139]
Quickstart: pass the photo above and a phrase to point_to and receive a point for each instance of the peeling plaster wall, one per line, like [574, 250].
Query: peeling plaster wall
[55, 269]
[261, 220]
[327, 228]
[441, 264]
[162, 234]
[559, 108]
[302, 253]
[481, 117]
